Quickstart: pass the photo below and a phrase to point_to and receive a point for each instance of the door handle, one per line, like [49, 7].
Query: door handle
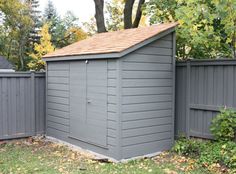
[89, 100]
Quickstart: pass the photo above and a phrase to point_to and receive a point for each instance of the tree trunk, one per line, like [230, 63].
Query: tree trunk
[128, 13]
[234, 42]
[138, 14]
[99, 15]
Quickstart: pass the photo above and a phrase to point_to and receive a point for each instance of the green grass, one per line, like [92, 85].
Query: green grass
[38, 156]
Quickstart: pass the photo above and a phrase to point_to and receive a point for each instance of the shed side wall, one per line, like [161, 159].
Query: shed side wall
[147, 91]
[58, 106]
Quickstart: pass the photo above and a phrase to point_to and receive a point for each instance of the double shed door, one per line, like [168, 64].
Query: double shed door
[88, 101]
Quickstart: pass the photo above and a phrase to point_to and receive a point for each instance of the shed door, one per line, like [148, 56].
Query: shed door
[88, 101]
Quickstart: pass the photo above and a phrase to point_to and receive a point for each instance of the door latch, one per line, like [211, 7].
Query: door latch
[89, 100]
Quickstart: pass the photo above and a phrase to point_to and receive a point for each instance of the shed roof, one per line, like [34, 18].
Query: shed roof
[5, 64]
[111, 42]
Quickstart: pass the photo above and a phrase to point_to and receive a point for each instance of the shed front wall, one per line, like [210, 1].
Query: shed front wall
[58, 106]
[147, 99]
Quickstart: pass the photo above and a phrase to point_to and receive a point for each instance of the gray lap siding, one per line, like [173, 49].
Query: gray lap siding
[147, 89]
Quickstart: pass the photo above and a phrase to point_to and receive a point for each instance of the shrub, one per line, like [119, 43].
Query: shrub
[224, 125]
[208, 152]
[188, 147]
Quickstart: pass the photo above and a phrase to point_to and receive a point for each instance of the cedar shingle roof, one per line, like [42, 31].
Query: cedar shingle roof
[111, 42]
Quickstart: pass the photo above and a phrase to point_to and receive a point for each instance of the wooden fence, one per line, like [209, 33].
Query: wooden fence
[203, 87]
[22, 104]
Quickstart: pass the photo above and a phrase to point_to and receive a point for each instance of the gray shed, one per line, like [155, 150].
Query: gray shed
[113, 93]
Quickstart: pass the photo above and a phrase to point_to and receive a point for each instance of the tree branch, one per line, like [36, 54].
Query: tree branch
[138, 14]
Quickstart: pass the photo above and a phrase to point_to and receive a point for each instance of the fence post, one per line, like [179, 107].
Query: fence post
[188, 93]
[33, 112]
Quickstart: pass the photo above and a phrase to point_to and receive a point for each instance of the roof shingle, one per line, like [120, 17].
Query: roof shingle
[111, 42]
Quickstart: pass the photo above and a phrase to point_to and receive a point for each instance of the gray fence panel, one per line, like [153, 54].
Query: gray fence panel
[202, 89]
[22, 104]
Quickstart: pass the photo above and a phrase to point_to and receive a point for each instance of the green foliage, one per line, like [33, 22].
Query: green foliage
[187, 147]
[20, 23]
[114, 11]
[16, 25]
[35, 15]
[224, 125]
[41, 49]
[64, 31]
[202, 32]
[219, 152]
[208, 152]
[226, 11]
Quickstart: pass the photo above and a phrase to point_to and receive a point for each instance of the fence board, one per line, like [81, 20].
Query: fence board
[203, 87]
[22, 104]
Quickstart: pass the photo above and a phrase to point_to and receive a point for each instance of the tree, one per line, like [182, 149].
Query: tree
[50, 12]
[51, 17]
[114, 12]
[127, 14]
[128, 11]
[138, 14]
[16, 27]
[90, 26]
[35, 15]
[200, 33]
[99, 15]
[44, 47]
[226, 13]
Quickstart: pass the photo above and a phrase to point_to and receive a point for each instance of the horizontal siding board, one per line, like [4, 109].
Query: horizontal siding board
[146, 138]
[146, 107]
[58, 120]
[146, 82]
[59, 74]
[112, 116]
[58, 93]
[146, 66]
[146, 115]
[146, 130]
[112, 133]
[58, 106]
[58, 100]
[58, 113]
[58, 80]
[146, 99]
[146, 91]
[146, 148]
[62, 87]
[162, 43]
[58, 126]
[155, 51]
[112, 74]
[58, 66]
[134, 57]
[146, 123]
[146, 75]
[167, 37]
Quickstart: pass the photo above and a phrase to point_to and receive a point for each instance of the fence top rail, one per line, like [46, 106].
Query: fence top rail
[22, 74]
[207, 62]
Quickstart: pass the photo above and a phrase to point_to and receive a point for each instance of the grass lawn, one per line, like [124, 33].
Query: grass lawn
[39, 156]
